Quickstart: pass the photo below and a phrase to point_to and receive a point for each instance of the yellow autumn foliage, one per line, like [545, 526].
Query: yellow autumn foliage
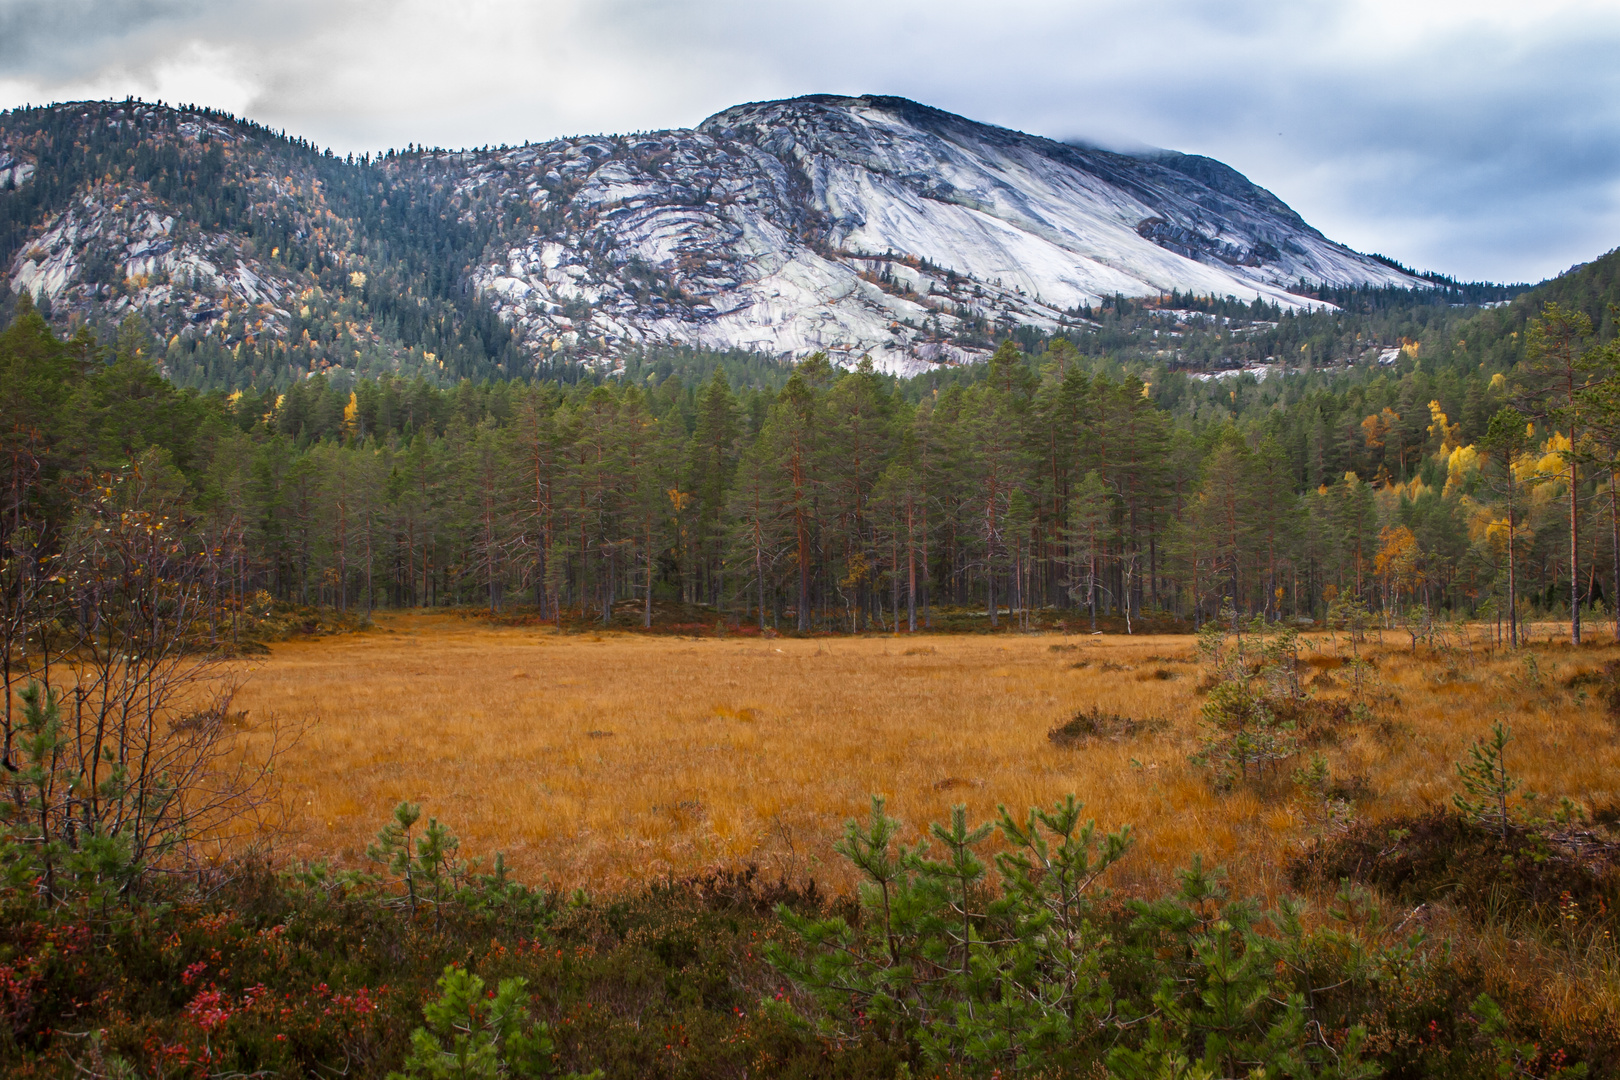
[1448, 433]
[1460, 464]
[1549, 464]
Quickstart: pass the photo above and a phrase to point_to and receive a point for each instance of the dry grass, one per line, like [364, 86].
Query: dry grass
[609, 759]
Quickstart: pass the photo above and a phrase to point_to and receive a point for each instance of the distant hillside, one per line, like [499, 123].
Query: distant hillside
[1495, 337]
[258, 258]
[1592, 287]
[854, 226]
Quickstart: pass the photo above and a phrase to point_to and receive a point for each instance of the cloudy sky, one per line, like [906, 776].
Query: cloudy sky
[1480, 138]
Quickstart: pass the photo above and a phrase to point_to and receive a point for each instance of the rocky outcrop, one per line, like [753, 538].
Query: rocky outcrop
[856, 226]
[878, 226]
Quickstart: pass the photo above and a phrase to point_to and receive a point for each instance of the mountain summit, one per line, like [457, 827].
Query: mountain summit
[855, 225]
[879, 226]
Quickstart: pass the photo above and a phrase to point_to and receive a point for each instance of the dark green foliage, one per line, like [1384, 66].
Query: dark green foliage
[1039, 972]
[1487, 784]
[1044, 974]
[1254, 696]
[470, 1038]
[939, 961]
[1045, 486]
[1029, 485]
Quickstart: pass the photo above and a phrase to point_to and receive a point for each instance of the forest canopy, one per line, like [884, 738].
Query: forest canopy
[1048, 478]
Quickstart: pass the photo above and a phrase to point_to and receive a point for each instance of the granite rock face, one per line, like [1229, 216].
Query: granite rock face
[877, 226]
[857, 226]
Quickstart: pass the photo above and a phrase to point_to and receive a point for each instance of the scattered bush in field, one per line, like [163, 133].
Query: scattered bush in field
[1609, 688]
[1244, 734]
[1487, 785]
[1351, 789]
[1317, 721]
[1530, 680]
[1257, 712]
[1331, 797]
[1347, 613]
[1097, 724]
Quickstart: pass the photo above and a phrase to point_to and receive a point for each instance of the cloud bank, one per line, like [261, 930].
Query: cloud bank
[1478, 139]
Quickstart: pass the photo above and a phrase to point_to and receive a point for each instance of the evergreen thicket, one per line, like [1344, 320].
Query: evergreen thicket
[1043, 482]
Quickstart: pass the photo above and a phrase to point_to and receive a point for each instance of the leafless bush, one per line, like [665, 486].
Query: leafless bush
[144, 756]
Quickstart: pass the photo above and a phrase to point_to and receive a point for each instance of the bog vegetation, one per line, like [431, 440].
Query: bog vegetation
[1361, 824]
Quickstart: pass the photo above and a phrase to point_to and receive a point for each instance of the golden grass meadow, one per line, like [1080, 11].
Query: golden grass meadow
[612, 759]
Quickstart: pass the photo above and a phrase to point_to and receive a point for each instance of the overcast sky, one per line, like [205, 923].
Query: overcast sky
[1480, 138]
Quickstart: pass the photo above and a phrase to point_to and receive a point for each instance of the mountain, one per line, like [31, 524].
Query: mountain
[859, 226]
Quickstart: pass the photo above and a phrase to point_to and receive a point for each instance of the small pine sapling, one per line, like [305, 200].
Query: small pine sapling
[960, 872]
[40, 742]
[1486, 781]
[1011, 984]
[471, 1035]
[1248, 670]
[44, 844]
[394, 847]
[426, 865]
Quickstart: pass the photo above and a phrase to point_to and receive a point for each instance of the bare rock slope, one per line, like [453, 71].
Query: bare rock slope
[880, 226]
[859, 226]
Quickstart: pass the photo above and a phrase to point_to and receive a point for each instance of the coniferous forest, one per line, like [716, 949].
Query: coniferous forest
[1049, 483]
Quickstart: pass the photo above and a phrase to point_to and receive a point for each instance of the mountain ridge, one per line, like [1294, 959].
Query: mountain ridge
[859, 226]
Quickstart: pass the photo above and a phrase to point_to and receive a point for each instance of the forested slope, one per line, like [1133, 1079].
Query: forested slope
[1046, 479]
[256, 255]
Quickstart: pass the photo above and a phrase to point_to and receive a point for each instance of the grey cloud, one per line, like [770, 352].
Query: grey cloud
[1484, 144]
[68, 40]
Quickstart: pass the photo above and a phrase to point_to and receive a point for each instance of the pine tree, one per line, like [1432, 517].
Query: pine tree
[1486, 782]
[1558, 371]
[1507, 438]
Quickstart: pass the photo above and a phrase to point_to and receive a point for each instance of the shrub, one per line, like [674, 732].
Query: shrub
[1256, 704]
[1097, 724]
[1015, 982]
[469, 1036]
[1486, 782]
[1040, 975]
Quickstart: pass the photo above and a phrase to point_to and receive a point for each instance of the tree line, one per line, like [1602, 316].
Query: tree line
[849, 500]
